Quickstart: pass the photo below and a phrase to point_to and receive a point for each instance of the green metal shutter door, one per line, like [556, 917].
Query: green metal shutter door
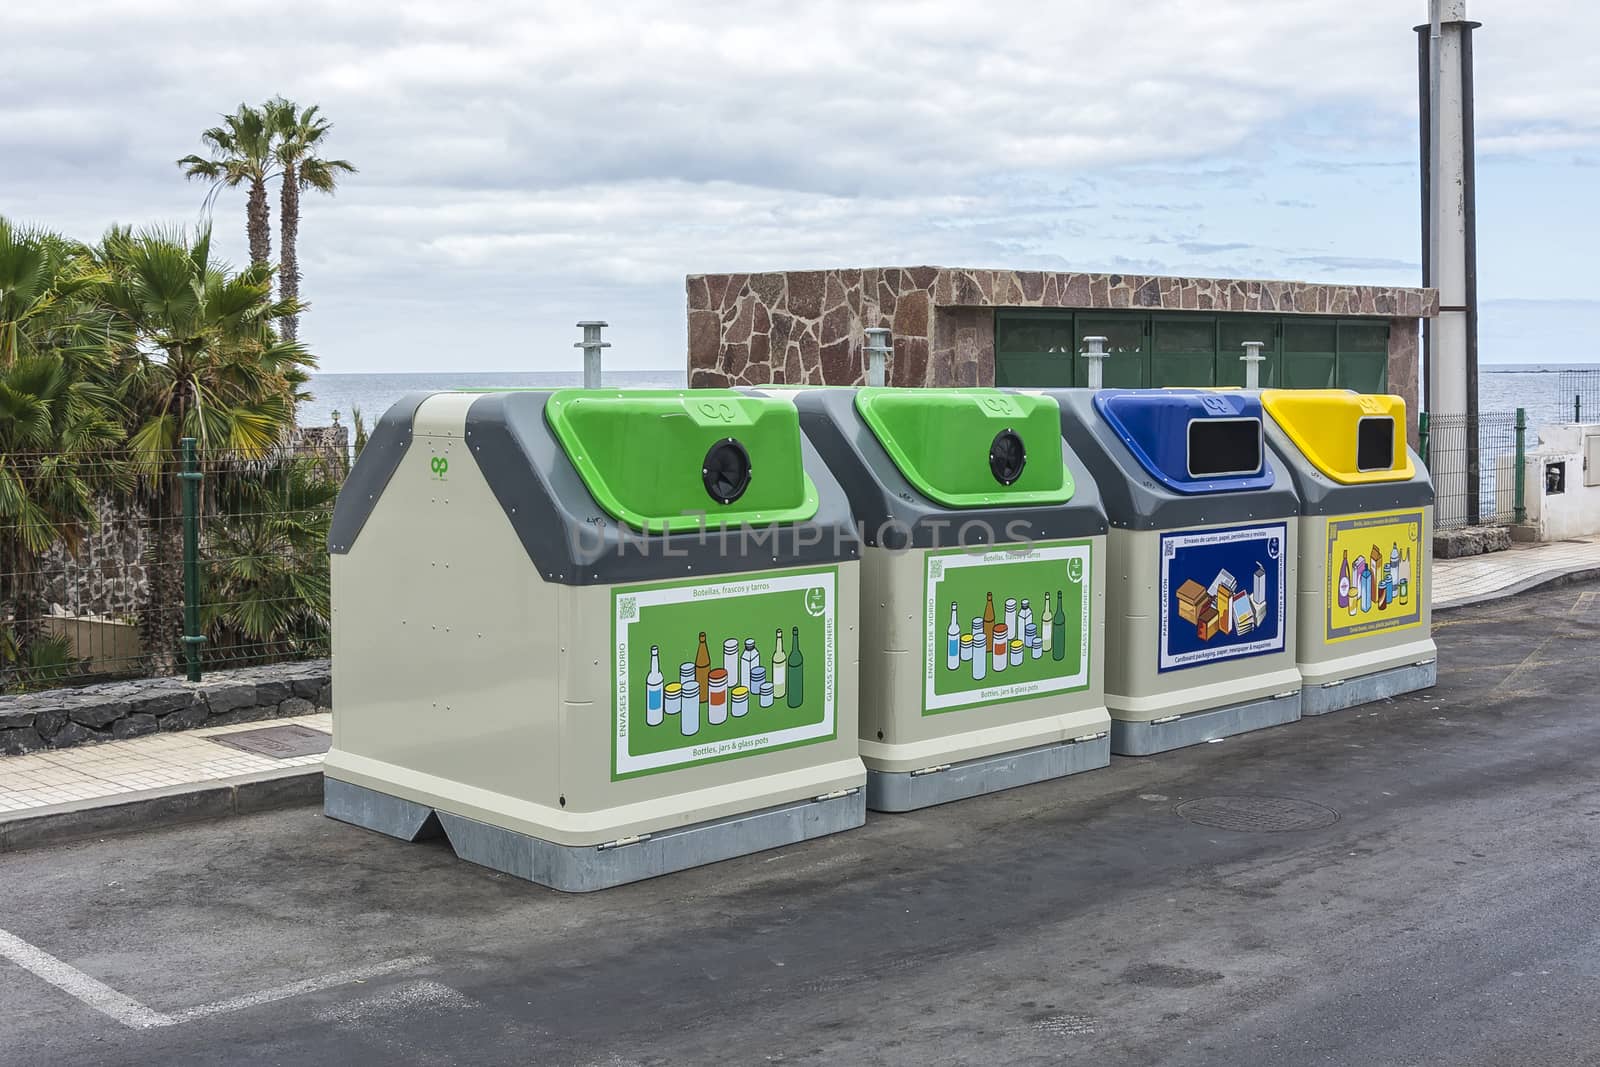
[1183, 351]
[1232, 333]
[1310, 354]
[1125, 340]
[1364, 356]
[1033, 350]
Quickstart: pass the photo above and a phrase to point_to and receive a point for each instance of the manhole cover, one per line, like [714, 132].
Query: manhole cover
[1257, 815]
[279, 742]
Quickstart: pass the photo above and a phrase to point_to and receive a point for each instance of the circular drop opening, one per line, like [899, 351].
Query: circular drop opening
[726, 471]
[1007, 457]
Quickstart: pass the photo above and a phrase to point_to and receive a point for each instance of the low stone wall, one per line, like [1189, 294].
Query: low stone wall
[1470, 541]
[60, 718]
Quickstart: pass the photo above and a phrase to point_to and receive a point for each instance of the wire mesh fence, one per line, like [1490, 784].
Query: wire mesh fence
[1480, 489]
[1579, 393]
[93, 557]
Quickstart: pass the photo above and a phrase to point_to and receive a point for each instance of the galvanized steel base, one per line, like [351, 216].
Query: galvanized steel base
[584, 868]
[910, 790]
[1146, 738]
[1336, 696]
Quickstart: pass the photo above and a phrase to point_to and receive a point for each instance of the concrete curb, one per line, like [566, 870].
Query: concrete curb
[154, 808]
[1553, 579]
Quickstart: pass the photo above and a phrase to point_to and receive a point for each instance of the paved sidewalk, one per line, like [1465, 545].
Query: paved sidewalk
[148, 778]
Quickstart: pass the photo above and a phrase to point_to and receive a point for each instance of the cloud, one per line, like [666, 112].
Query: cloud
[525, 164]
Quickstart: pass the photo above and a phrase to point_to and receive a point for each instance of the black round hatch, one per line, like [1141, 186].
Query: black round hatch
[726, 471]
[1007, 457]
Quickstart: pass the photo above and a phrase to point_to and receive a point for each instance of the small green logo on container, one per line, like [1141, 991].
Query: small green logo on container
[439, 465]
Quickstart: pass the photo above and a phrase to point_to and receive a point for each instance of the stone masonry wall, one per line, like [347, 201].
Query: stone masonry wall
[60, 718]
[805, 327]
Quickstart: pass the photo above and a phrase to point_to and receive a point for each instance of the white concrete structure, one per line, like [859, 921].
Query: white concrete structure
[1562, 478]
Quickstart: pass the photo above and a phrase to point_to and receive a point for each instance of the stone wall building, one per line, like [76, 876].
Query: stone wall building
[1024, 328]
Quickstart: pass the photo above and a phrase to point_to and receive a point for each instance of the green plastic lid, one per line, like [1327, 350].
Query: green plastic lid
[971, 448]
[660, 459]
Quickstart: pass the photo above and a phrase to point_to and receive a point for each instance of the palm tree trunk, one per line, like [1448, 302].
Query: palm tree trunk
[289, 262]
[258, 224]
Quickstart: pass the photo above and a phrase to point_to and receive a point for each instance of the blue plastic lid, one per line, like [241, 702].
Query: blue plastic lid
[1191, 440]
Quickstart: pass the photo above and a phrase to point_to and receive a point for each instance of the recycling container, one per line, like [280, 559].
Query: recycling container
[983, 551]
[595, 636]
[1200, 558]
[1366, 545]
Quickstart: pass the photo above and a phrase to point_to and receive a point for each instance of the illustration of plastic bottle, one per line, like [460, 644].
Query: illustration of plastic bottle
[1024, 617]
[748, 662]
[689, 721]
[1058, 632]
[1000, 647]
[730, 659]
[780, 669]
[988, 621]
[797, 675]
[654, 697]
[1011, 616]
[717, 699]
[1366, 588]
[702, 668]
[952, 642]
[1344, 580]
[1048, 628]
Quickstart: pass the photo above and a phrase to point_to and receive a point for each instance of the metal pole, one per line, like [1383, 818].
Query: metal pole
[1422, 436]
[1522, 456]
[1577, 407]
[1096, 355]
[591, 345]
[192, 637]
[879, 348]
[1252, 363]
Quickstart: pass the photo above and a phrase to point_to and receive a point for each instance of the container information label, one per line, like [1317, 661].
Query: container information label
[720, 669]
[1222, 594]
[1374, 573]
[1005, 625]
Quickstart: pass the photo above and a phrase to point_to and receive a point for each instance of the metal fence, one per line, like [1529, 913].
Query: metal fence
[172, 564]
[1490, 494]
[1579, 391]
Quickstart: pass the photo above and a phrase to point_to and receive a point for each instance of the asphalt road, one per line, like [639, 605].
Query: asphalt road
[1449, 915]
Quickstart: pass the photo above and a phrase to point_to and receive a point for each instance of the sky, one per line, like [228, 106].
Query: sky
[524, 165]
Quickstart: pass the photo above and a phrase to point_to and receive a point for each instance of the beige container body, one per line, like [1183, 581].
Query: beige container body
[1323, 662]
[895, 734]
[468, 683]
[1136, 690]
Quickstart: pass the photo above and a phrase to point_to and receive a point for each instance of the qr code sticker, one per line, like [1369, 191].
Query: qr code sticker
[627, 608]
[935, 569]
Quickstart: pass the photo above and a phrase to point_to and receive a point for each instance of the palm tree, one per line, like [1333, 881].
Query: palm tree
[299, 135]
[242, 151]
[46, 296]
[206, 363]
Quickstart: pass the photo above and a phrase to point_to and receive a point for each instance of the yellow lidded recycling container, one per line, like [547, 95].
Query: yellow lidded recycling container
[1366, 545]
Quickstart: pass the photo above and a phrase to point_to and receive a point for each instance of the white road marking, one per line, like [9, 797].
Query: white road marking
[130, 1013]
[91, 991]
[295, 989]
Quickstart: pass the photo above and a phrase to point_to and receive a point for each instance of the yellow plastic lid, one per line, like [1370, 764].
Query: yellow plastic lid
[1353, 438]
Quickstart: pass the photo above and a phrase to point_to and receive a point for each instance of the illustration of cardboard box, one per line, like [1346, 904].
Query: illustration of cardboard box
[1208, 622]
[1191, 596]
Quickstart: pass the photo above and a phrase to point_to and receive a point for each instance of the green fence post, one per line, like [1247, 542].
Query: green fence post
[1522, 454]
[1577, 407]
[192, 638]
[1422, 436]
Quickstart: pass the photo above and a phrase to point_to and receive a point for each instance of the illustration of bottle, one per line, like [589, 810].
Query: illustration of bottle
[1048, 628]
[1000, 646]
[717, 698]
[952, 642]
[748, 663]
[1011, 616]
[739, 703]
[654, 697]
[797, 674]
[1016, 653]
[1025, 617]
[1058, 632]
[1366, 588]
[988, 621]
[730, 659]
[980, 655]
[1355, 587]
[1344, 580]
[689, 722]
[780, 671]
[702, 668]
[1394, 569]
[1030, 640]
[1405, 578]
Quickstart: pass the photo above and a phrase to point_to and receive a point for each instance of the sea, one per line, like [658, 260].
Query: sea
[1544, 392]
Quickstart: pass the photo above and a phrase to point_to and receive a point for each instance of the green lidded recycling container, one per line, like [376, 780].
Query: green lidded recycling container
[595, 636]
[983, 546]
[1200, 612]
[1366, 545]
